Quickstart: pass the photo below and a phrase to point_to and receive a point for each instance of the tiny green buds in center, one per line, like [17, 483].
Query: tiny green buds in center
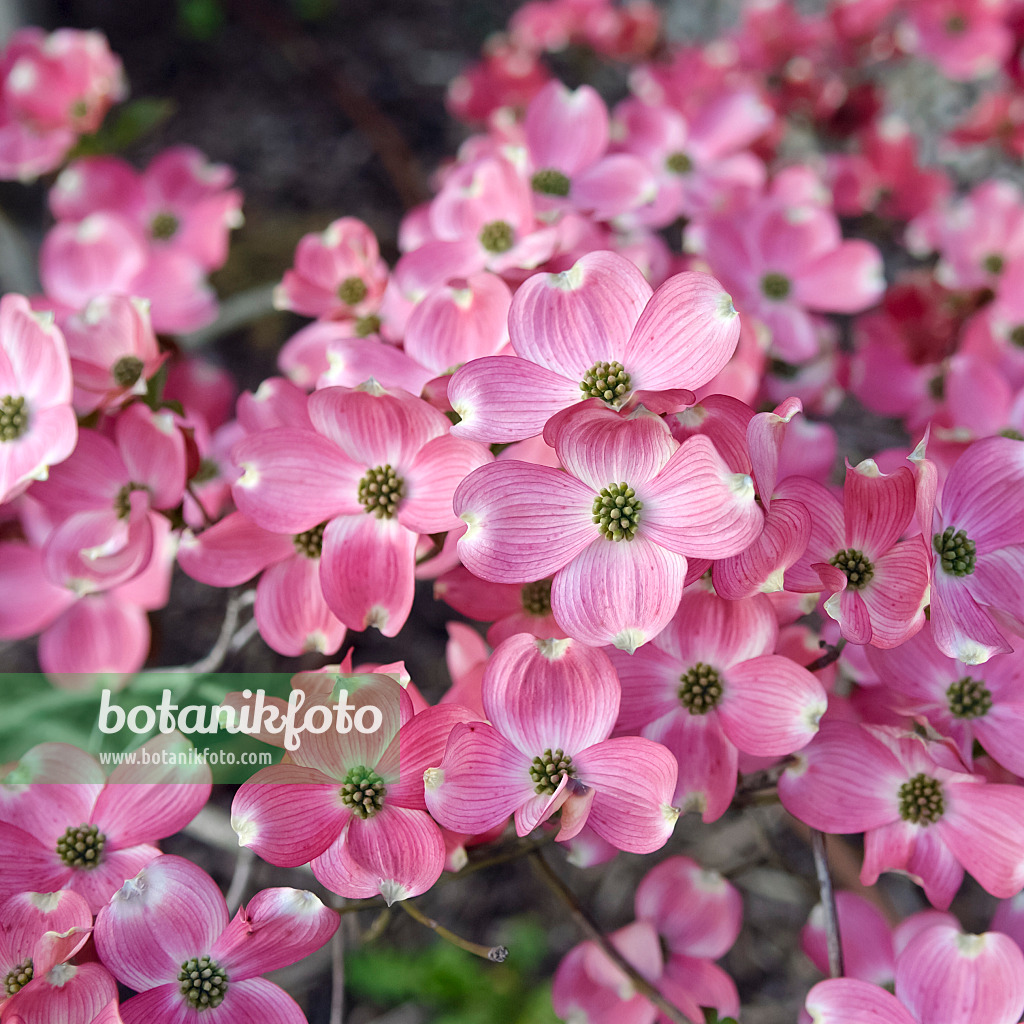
[202, 983]
[380, 491]
[700, 689]
[608, 381]
[1017, 336]
[550, 182]
[536, 597]
[363, 791]
[367, 325]
[123, 501]
[547, 770]
[921, 800]
[857, 568]
[310, 543]
[164, 226]
[679, 163]
[956, 551]
[127, 370]
[497, 236]
[352, 290]
[616, 511]
[993, 263]
[81, 847]
[17, 978]
[969, 698]
[13, 417]
[775, 285]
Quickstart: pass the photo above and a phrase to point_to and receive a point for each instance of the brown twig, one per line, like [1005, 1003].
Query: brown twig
[589, 927]
[496, 954]
[831, 654]
[828, 903]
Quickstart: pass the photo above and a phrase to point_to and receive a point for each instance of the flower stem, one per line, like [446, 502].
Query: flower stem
[589, 927]
[831, 654]
[497, 954]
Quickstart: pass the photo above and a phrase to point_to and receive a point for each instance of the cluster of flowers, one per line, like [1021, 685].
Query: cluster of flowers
[597, 446]
[87, 901]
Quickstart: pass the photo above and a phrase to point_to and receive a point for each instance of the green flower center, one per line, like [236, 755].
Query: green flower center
[81, 847]
[550, 182]
[700, 689]
[497, 236]
[363, 791]
[1017, 336]
[993, 263]
[13, 417]
[536, 597]
[616, 511]
[380, 491]
[17, 978]
[857, 568]
[969, 698]
[127, 371]
[955, 24]
[1013, 435]
[164, 226]
[203, 983]
[352, 290]
[310, 543]
[956, 552]
[368, 324]
[921, 801]
[548, 769]
[122, 503]
[606, 380]
[679, 163]
[775, 285]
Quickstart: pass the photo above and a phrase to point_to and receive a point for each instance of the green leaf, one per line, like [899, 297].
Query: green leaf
[200, 19]
[125, 125]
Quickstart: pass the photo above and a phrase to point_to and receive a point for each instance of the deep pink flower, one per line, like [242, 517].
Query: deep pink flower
[552, 705]
[166, 934]
[878, 583]
[615, 529]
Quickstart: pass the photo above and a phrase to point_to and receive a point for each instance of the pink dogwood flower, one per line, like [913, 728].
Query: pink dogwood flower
[377, 470]
[709, 686]
[878, 583]
[921, 810]
[166, 934]
[37, 423]
[64, 824]
[615, 530]
[551, 705]
[352, 802]
[595, 331]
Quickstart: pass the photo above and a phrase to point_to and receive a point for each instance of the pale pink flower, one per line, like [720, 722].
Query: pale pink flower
[596, 330]
[615, 530]
[379, 468]
[921, 810]
[709, 686]
[64, 824]
[37, 423]
[166, 934]
[977, 549]
[551, 705]
[352, 803]
[338, 274]
[968, 39]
